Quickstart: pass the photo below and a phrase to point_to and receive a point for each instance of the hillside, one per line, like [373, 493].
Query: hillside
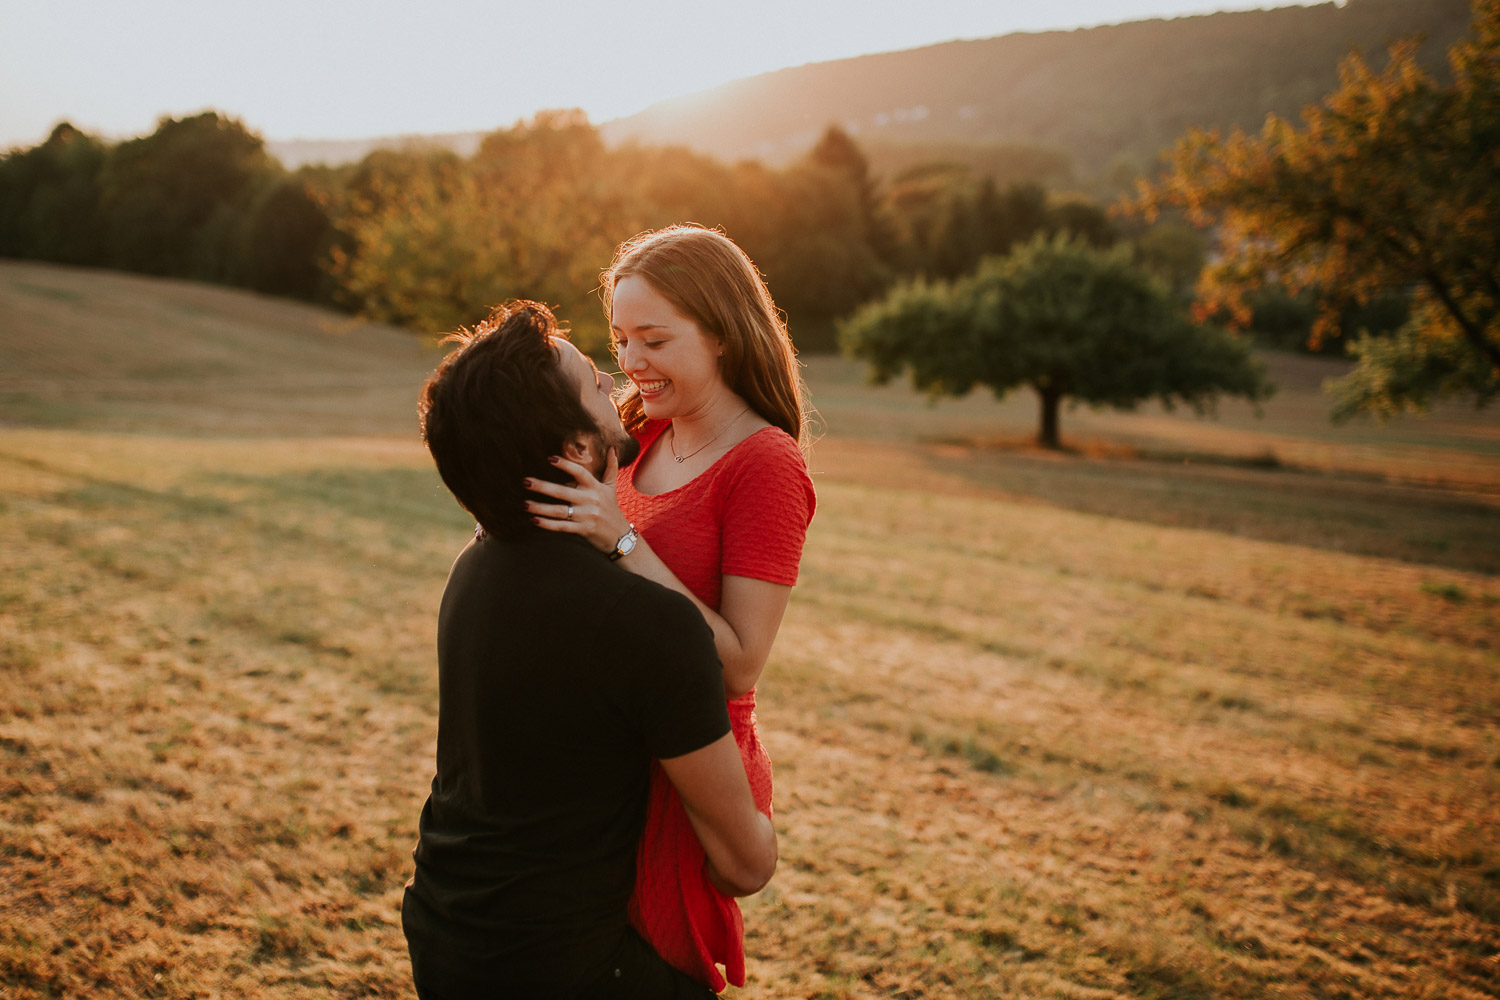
[1105, 95]
[115, 351]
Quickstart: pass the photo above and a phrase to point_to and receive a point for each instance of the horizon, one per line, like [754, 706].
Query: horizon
[65, 61]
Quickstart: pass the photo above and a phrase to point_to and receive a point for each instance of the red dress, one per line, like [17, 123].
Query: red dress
[745, 516]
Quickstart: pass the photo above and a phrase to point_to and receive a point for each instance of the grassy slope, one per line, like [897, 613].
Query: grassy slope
[1036, 734]
[112, 351]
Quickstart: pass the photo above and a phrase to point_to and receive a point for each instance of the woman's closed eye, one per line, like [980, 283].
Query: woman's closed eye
[623, 342]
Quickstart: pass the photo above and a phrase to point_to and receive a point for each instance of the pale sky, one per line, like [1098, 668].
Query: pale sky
[340, 69]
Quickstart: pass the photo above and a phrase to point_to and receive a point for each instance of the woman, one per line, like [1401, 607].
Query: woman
[721, 499]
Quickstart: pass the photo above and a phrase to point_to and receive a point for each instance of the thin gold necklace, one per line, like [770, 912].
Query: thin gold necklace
[672, 443]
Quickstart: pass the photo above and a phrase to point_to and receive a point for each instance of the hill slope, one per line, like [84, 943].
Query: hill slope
[119, 351]
[1101, 94]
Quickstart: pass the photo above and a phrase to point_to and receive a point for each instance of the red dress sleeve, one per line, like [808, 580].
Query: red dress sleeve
[768, 505]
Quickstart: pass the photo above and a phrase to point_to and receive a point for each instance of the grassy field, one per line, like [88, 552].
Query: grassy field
[1200, 709]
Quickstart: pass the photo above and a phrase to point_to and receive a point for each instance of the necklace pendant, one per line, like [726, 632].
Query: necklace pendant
[679, 461]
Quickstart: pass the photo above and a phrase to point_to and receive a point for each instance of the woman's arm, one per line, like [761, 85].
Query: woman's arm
[750, 610]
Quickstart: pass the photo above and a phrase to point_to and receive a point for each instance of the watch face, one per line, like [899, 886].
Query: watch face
[626, 544]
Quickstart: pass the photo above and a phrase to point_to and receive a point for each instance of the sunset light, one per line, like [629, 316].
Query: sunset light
[293, 69]
[787, 500]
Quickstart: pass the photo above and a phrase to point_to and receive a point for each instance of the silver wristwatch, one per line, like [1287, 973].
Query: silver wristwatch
[626, 544]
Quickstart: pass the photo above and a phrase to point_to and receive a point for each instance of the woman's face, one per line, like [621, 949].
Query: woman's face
[673, 363]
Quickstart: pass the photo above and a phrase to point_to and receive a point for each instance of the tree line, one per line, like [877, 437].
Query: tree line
[429, 239]
[198, 198]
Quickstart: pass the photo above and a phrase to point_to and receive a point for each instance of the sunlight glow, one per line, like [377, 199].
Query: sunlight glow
[293, 69]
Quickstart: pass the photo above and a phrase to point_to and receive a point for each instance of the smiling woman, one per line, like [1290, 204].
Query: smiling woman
[721, 499]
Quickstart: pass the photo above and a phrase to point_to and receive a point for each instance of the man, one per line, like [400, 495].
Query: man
[560, 676]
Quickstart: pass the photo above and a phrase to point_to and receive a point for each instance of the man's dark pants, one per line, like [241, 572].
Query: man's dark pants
[635, 973]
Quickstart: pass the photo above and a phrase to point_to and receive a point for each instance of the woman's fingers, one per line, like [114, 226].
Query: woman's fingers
[555, 490]
[553, 524]
[582, 476]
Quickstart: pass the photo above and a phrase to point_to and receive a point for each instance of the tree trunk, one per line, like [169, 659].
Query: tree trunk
[1047, 436]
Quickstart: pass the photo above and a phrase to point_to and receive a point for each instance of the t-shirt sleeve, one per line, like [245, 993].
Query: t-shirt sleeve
[769, 504]
[674, 681]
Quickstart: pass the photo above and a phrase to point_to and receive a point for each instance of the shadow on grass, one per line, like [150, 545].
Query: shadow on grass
[412, 499]
[1253, 497]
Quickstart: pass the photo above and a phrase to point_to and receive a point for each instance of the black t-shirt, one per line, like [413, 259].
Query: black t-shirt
[560, 676]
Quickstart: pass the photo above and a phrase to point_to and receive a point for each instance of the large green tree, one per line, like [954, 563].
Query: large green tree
[1071, 321]
[1391, 185]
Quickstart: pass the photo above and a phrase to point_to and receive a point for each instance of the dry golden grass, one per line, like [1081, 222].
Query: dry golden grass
[215, 728]
[1082, 726]
[1072, 756]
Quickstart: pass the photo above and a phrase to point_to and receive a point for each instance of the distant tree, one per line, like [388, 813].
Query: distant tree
[1279, 318]
[174, 199]
[1003, 164]
[673, 184]
[924, 203]
[837, 152]
[434, 240]
[396, 257]
[286, 234]
[817, 256]
[1084, 218]
[946, 218]
[1389, 185]
[50, 199]
[1175, 252]
[1006, 218]
[1071, 321]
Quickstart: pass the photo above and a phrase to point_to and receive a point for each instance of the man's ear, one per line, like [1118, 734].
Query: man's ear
[582, 449]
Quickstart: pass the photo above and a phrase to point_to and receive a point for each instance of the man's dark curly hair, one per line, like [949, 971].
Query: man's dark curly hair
[496, 408]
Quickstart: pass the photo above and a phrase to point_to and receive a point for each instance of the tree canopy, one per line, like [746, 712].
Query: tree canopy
[50, 199]
[1389, 185]
[1069, 320]
[427, 238]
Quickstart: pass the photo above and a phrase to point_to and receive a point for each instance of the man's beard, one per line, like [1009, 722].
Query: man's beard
[627, 450]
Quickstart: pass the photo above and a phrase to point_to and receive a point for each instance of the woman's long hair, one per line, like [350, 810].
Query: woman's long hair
[711, 281]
